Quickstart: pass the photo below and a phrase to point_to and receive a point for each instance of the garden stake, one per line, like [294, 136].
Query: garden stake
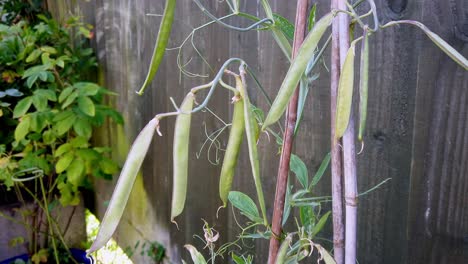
[288, 138]
[349, 154]
[336, 174]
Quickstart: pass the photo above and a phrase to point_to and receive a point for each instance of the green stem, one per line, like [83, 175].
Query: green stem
[46, 210]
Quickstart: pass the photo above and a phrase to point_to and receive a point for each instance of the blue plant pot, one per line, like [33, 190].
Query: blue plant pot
[78, 254]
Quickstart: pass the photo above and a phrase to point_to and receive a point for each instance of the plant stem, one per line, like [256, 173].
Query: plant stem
[336, 174]
[288, 138]
[349, 154]
[49, 220]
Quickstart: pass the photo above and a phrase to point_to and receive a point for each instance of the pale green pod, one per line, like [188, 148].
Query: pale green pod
[180, 156]
[442, 44]
[232, 151]
[161, 43]
[122, 190]
[296, 70]
[363, 85]
[283, 250]
[252, 146]
[345, 93]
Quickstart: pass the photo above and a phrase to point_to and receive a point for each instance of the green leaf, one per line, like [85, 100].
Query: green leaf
[68, 194]
[38, 122]
[39, 101]
[86, 105]
[47, 93]
[34, 55]
[327, 258]
[70, 99]
[321, 223]
[83, 128]
[48, 49]
[62, 126]
[22, 107]
[22, 129]
[284, 25]
[64, 162]
[75, 171]
[65, 93]
[306, 215]
[62, 115]
[87, 88]
[297, 166]
[197, 258]
[246, 205]
[63, 149]
[108, 166]
[323, 167]
[311, 19]
[80, 142]
[49, 137]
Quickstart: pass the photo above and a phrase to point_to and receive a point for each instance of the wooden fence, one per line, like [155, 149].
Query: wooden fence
[417, 131]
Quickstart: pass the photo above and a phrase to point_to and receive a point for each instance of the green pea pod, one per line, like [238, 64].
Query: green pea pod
[232, 151]
[363, 85]
[345, 93]
[296, 70]
[161, 43]
[122, 191]
[442, 44]
[252, 146]
[283, 251]
[180, 156]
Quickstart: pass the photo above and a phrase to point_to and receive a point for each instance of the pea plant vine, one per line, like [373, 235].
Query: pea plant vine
[305, 53]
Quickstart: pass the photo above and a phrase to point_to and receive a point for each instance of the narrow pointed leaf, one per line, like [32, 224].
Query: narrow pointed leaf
[323, 166]
[345, 93]
[296, 70]
[124, 186]
[246, 205]
[180, 156]
[161, 42]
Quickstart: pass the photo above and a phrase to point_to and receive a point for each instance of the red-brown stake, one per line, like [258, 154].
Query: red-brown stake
[288, 138]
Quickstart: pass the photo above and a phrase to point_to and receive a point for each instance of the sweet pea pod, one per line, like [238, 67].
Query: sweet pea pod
[363, 85]
[122, 191]
[442, 44]
[252, 146]
[232, 151]
[180, 156]
[296, 70]
[345, 93]
[161, 43]
[283, 250]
